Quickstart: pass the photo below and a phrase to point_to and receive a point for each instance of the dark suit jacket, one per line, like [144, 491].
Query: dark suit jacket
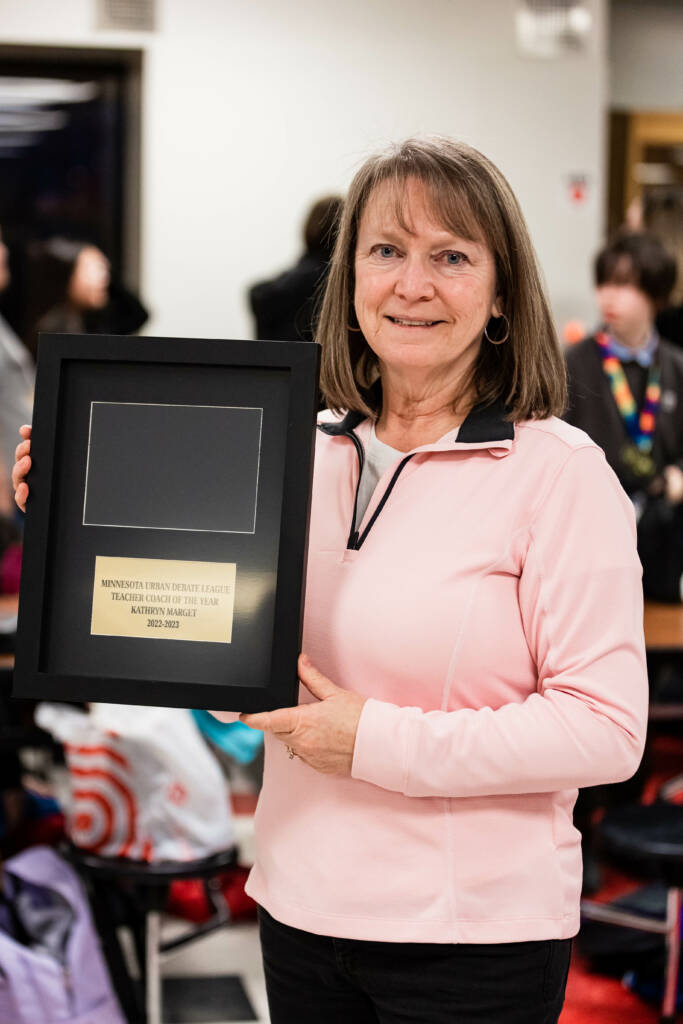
[285, 307]
[592, 406]
[670, 325]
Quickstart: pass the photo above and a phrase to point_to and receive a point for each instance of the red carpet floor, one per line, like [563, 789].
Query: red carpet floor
[592, 999]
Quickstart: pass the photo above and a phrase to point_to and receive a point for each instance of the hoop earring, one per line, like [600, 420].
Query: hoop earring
[354, 329]
[498, 341]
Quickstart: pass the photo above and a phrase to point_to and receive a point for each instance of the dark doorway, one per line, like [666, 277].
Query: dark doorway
[69, 158]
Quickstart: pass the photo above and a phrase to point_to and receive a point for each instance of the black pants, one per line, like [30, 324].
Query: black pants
[313, 979]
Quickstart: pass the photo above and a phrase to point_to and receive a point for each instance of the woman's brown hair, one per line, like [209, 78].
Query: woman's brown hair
[472, 199]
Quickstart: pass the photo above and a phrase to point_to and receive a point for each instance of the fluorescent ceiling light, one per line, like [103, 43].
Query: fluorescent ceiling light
[23, 119]
[11, 141]
[22, 92]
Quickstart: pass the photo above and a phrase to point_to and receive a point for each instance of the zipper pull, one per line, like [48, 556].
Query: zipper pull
[68, 987]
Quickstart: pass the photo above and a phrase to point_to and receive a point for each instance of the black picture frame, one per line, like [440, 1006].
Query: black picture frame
[58, 657]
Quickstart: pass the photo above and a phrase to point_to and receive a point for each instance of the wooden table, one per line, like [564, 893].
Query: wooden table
[663, 626]
[664, 635]
[9, 604]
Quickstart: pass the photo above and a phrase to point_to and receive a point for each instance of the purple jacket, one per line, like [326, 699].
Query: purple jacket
[37, 987]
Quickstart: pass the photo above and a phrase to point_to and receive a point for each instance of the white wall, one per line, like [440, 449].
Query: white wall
[252, 108]
[646, 54]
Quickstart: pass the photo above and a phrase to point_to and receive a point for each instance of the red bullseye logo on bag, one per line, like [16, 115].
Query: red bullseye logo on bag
[104, 814]
[143, 782]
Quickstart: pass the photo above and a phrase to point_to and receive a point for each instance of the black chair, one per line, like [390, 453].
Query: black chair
[648, 840]
[134, 894]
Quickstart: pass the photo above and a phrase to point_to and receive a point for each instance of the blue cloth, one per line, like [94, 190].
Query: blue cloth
[36, 807]
[234, 738]
[644, 356]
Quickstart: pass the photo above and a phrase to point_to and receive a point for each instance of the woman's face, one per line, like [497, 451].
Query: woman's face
[89, 283]
[423, 296]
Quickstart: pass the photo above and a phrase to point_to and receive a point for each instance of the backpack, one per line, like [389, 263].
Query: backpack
[51, 967]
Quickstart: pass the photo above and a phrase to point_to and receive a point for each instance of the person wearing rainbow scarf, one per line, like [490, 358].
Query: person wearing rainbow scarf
[626, 382]
[626, 392]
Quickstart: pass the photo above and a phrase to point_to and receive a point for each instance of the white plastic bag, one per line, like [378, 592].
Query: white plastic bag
[144, 784]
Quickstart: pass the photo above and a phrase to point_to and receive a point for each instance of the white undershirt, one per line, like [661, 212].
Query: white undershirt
[378, 457]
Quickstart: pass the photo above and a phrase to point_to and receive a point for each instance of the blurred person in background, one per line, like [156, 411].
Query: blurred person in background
[285, 307]
[662, 216]
[626, 381]
[72, 293]
[6, 502]
[626, 392]
[17, 380]
[68, 279]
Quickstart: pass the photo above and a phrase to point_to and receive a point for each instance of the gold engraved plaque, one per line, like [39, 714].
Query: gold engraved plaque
[163, 599]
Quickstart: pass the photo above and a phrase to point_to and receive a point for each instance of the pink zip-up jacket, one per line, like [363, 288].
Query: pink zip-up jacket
[489, 607]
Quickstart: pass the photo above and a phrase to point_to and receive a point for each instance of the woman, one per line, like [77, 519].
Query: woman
[68, 278]
[73, 293]
[473, 627]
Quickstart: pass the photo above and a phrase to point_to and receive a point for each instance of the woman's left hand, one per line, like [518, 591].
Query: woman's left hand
[323, 735]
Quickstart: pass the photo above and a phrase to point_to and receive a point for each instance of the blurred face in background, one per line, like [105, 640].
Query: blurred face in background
[4, 265]
[89, 283]
[627, 312]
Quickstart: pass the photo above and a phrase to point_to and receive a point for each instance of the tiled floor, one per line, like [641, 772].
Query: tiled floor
[233, 950]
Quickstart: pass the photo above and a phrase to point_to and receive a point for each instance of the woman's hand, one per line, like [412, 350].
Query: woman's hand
[21, 467]
[323, 734]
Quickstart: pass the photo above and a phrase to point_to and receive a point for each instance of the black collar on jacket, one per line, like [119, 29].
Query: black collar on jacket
[482, 424]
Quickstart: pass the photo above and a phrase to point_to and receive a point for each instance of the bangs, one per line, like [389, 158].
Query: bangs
[616, 268]
[448, 202]
[639, 260]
